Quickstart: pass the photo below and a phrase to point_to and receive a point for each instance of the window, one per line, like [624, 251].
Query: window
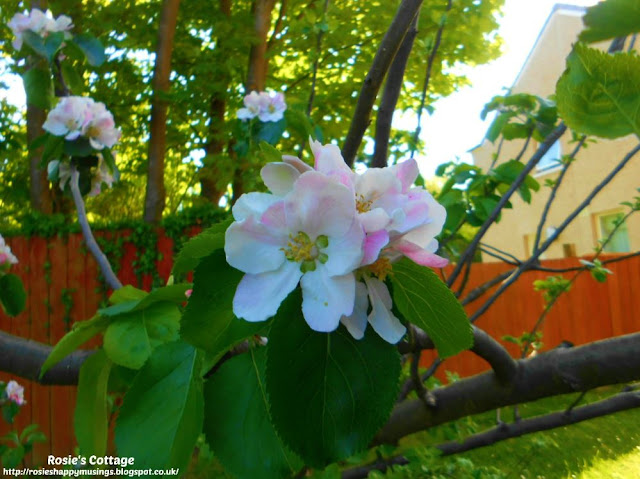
[619, 242]
[551, 157]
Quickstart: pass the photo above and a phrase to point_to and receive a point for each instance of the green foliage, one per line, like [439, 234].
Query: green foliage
[199, 247]
[81, 332]
[552, 287]
[14, 447]
[208, 321]
[611, 19]
[237, 423]
[45, 47]
[39, 87]
[161, 415]
[597, 270]
[91, 47]
[424, 300]
[341, 390]
[132, 336]
[90, 420]
[526, 340]
[599, 93]
[13, 297]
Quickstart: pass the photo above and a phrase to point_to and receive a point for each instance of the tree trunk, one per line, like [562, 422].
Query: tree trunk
[156, 195]
[40, 194]
[209, 174]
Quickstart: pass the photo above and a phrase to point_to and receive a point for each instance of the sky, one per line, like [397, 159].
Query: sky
[456, 127]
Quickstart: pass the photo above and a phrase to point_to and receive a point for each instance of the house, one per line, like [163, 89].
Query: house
[516, 231]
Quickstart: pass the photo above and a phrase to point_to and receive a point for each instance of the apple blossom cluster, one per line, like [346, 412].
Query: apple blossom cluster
[77, 116]
[334, 232]
[264, 106]
[39, 22]
[7, 258]
[61, 171]
[15, 393]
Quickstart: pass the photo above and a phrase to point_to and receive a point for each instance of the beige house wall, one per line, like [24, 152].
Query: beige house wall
[518, 226]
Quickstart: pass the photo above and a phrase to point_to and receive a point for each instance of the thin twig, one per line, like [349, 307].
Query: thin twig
[109, 276]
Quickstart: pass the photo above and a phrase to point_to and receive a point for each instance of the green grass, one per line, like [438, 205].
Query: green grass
[607, 447]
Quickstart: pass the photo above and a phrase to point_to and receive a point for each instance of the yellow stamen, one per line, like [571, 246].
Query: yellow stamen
[300, 248]
[381, 268]
[363, 205]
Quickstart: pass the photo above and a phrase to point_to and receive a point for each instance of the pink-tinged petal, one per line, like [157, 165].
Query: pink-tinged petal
[319, 206]
[381, 318]
[253, 247]
[374, 220]
[326, 299]
[245, 114]
[345, 252]
[275, 218]
[297, 163]
[419, 255]
[55, 126]
[416, 213]
[373, 244]
[328, 158]
[258, 296]
[356, 323]
[188, 293]
[279, 177]
[253, 204]
[406, 172]
[422, 235]
[376, 184]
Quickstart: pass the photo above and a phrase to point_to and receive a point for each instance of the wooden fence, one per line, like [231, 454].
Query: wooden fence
[63, 286]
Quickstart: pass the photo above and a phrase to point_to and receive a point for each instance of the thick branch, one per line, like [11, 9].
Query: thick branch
[109, 276]
[392, 40]
[620, 402]
[390, 96]
[560, 371]
[24, 358]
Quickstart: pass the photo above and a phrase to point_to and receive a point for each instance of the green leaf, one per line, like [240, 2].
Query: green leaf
[13, 456]
[90, 420]
[72, 78]
[161, 415]
[599, 94]
[80, 333]
[174, 293]
[270, 153]
[80, 148]
[424, 300]
[13, 297]
[91, 47]
[497, 125]
[38, 87]
[270, 131]
[611, 19]
[9, 411]
[127, 293]
[199, 247]
[329, 393]
[237, 424]
[52, 149]
[45, 47]
[109, 160]
[131, 337]
[208, 321]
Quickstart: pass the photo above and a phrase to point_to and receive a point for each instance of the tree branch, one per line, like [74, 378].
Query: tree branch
[24, 358]
[620, 402]
[390, 96]
[392, 40]
[109, 276]
[559, 371]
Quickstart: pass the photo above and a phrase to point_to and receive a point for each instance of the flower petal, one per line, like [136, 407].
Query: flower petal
[253, 204]
[356, 323]
[326, 299]
[373, 244]
[253, 247]
[381, 318]
[319, 206]
[425, 257]
[374, 220]
[297, 163]
[258, 296]
[406, 172]
[345, 252]
[279, 177]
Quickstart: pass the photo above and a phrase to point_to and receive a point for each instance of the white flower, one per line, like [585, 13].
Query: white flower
[38, 22]
[101, 175]
[264, 106]
[310, 236]
[59, 171]
[7, 258]
[15, 393]
[76, 116]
